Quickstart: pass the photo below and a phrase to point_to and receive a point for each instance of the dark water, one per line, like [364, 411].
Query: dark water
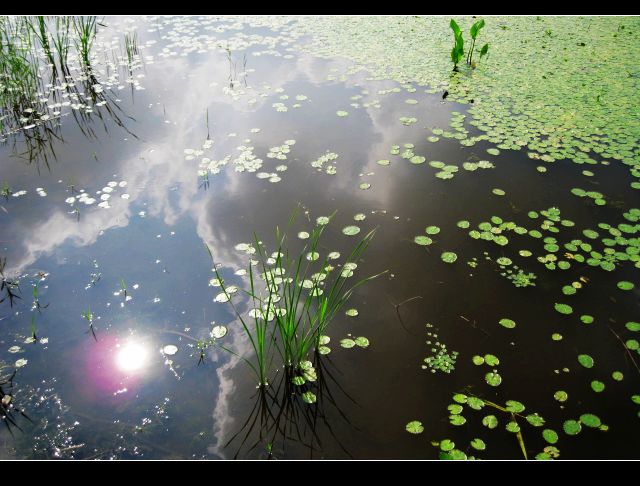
[85, 402]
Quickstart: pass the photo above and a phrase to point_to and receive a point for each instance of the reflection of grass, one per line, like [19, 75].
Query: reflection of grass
[300, 298]
[88, 316]
[10, 287]
[279, 415]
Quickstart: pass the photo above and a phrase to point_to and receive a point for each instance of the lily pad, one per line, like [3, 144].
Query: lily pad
[571, 427]
[478, 444]
[449, 257]
[590, 420]
[508, 323]
[422, 240]
[550, 436]
[415, 427]
[563, 309]
[493, 378]
[351, 230]
[490, 421]
[347, 343]
[585, 360]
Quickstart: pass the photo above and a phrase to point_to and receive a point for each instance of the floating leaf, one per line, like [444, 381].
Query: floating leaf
[563, 309]
[490, 421]
[457, 420]
[535, 420]
[633, 326]
[508, 323]
[347, 343]
[460, 398]
[590, 420]
[550, 436]
[477, 360]
[478, 444]
[309, 397]
[585, 360]
[351, 312]
[415, 427]
[298, 380]
[513, 427]
[561, 396]
[571, 427]
[514, 406]
[432, 230]
[423, 240]
[449, 257]
[624, 285]
[475, 403]
[455, 409]
[447, 445]
[491, 360]
[597, 386]
[170, 349]
[218, 332]
[361, 341]
[493, 378]
[351, 230]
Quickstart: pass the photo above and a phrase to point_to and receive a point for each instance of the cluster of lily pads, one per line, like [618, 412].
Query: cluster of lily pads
[441, 359]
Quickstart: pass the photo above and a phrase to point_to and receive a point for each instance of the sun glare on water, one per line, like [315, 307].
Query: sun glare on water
[132, 357]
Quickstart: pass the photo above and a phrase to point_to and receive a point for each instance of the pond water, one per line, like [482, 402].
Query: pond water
[213, 130]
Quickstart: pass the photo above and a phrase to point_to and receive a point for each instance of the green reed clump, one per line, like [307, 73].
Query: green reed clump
[294, 296]
[458, 48]
[86, 28]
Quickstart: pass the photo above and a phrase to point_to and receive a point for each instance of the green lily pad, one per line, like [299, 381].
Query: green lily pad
[415, 427]
[535, 420]
[490, 421]
[491, 360]
[514, 406]
[432, 230]
[624, 285]
[478, 444]
[633, 326]
[597, 386]
[362, 342]
[590, 420]
[585, 360]
[508, 323]
[422, 240]
[561, 396]
[447, 445]
[513, 427]
[347, 343]
[563, 309]
[457, 420]
[475, 403]
[571, 427]
[351, 230]
[550, 436]
[455, 409]
[460, 398]
[493, 378]
[449, 257]
[309, 397]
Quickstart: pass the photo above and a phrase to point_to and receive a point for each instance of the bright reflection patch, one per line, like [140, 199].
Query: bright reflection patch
[131, 357]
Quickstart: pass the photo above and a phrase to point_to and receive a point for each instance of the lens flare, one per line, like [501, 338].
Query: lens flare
[132, 357]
